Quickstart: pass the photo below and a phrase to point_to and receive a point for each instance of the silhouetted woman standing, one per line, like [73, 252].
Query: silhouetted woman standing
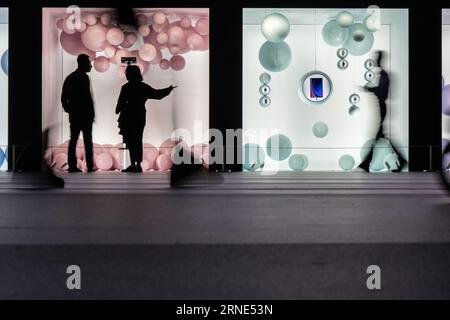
[131, 106]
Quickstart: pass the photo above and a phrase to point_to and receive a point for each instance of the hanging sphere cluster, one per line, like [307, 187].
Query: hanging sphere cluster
[106, 42]
[356, 37]
[275, 54]
[265, 89]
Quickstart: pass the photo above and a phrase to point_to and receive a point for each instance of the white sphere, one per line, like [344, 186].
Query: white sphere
[275, 27]
[371, 23]
[344, 19]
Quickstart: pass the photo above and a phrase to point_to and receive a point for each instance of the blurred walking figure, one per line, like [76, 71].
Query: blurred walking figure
[381, 92]
[131, 107]
[76, 99]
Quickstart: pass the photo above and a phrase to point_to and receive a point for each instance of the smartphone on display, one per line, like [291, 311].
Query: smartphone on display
[316, 88]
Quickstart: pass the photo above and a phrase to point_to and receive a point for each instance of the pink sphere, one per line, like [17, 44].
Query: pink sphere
[126, 44]
[163, 162]
[59, 23]
[185, 22]
[161, 27]
[81, 164]
[145, 165]
[144, 30]
[101, 64]
[131, 37]
[67, 27]
[202, 26]
[110, 51]
[167, 146]
[115, 36]
[147, 52]
[107, 147]
[176, 34]
[150, 154]
[94, 38]
[177, 62]
[71, 43]
[60, 162]
[162, 38]
[105, 19]
[164, 64]
[205, 159]
[159, 18]
[121, 72]
[199, 149]
[141, 19]
[205, 43]
[115, 155]
[90, 19]
[104, 162]
[195, 41]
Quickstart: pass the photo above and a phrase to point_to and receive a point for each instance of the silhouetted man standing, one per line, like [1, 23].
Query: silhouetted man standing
[76, 99]
[381, 92]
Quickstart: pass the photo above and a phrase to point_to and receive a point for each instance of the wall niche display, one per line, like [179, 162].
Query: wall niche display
[4, 59]
[321, 63]
[446, 84]
[171, 47]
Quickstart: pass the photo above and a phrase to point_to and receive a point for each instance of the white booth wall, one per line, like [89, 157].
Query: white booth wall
[289, 115]
[3, 90]
[186, 108]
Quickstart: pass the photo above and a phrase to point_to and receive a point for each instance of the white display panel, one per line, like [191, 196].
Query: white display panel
[293, 117]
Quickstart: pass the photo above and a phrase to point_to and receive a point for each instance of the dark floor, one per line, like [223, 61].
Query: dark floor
[230, 237]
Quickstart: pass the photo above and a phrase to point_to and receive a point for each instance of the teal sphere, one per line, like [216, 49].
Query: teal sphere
[275, 56]
[265, 78]
[366, 148]
[298, 162]
[320, 129]
[346, 162]
[5, 62]
[254, 157]
[359, 41]
[333, 34]
[2, 157]
[279, 147]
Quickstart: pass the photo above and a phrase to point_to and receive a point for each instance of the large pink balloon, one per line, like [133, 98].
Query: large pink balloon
[104, 162]
[164, 64]
[177, 62]
[202, 26]
[195, 41]
[164, 162]
[115, 155]
[94, 38]
[167, 146]
[71, 43]
[205, 43]
[145, 165]
[176, 34]
[81, 27]
[147, 52]
[159, 18]
[126, 44]
[101, 64]
[185, 22]
[115, 36]
[143, 65]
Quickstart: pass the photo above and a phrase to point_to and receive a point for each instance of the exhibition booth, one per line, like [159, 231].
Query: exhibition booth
[307, 75]
[169, 45]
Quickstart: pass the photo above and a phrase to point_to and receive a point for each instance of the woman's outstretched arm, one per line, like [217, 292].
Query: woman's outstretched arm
[158, 94]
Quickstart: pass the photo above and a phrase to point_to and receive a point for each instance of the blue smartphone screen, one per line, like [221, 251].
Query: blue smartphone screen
[316, 88]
